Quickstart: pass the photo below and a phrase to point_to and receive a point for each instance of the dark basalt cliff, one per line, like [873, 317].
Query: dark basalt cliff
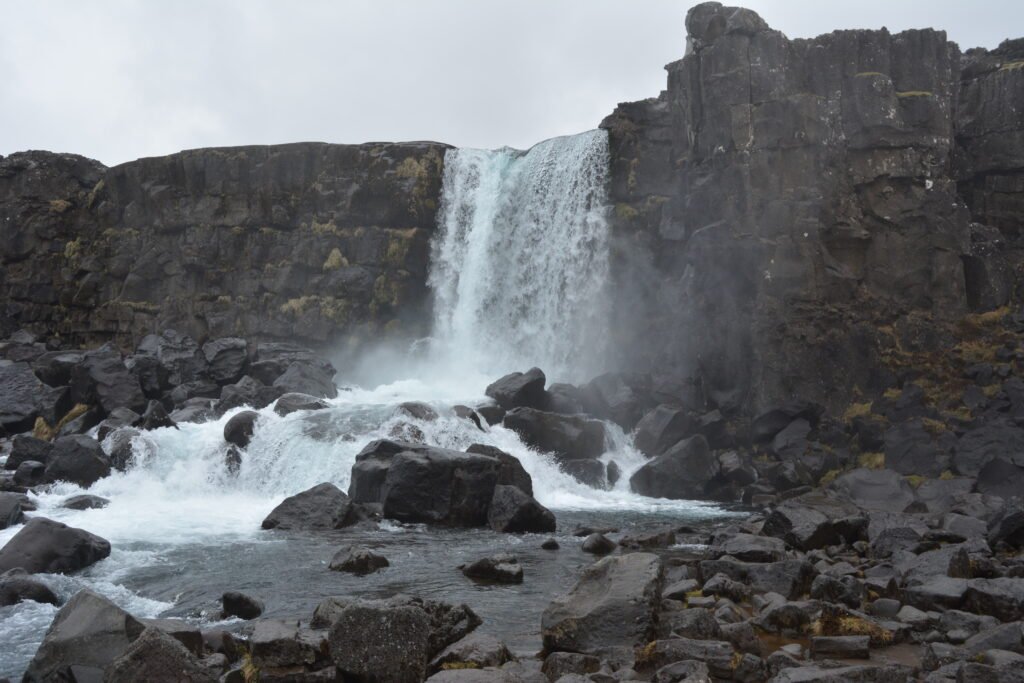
[790, 218]
[310, 242]
[789, 212]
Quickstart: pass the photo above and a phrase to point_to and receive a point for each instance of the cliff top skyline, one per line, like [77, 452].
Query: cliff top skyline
[126, 80]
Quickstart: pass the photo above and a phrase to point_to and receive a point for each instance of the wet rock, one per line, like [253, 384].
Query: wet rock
[119, 418]
[239, 429]
[845, 589]
[16, 586]
[378, 642]
[889, 673]
[550, 544]
[589, 472]
[514, 511]
[290, 403]
[156, 417]
[178, 353]
[686, 671]
[909, 449]
[249, 392]
[10, 509]
[226, 359]
[437, 486]
[568, 437]
[598, 544]
[54, 367]
[156, 656]
[998, 438]
[46, 546]
[324, 506]
[697, 623]
[24, 448]
[519, 390]
[655, 538]
[89, 631]
[185, 633]
[77, 459]
[467, 413]
[501, 568]
[418, 411]
[564, 398]
[236, 604]
[1007, 527]
[998, 477]
[661, 429]
[492, 414]
[936, 592]
[120, 447]
[613, 605]
[85, 502]
[102, 378]
[510, 472]
[1001, 597]
[792, 441]
[722, 586]
[357, 560]
[612, 473]
[682, 472]
[29, 473]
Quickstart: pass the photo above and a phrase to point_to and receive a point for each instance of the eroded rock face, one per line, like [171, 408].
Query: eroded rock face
[309, 242]
[799, 205]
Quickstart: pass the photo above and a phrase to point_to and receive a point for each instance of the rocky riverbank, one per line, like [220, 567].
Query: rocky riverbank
[880, 544]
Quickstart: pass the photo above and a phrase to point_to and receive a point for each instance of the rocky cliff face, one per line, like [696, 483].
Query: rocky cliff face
[790, 213]
[310, 242]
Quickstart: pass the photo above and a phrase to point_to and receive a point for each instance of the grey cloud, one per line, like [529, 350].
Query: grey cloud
[122, 79]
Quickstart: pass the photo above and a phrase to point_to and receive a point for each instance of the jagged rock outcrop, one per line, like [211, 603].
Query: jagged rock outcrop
[802, 207]
[310, 242]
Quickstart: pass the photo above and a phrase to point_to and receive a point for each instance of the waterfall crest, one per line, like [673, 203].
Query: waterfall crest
[520, 260]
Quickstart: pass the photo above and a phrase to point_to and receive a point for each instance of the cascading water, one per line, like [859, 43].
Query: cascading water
[518, 270]
[520, 261]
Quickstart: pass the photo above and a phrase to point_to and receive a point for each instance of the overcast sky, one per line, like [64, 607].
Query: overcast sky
[118, 79]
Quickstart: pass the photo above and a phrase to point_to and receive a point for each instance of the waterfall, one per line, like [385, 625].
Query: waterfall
[520, 259]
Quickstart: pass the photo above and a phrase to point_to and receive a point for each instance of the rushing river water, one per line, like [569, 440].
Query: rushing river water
[519, 266]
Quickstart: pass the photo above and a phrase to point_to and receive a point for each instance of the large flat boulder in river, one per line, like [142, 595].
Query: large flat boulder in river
[324, 506]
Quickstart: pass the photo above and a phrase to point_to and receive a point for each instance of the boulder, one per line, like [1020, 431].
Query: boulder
[620, 397]
[29, 473]
[997, 438]
[89, 631]
[590, 472]
[226, 359]
[102, 378]
[156, 417]
[46, 546]
[85, 502]
[791, 442]
[290, 403]
[598, 544]
[77, 459]
[156, 656]
[748, 547]
[875, 489]
[999, 477]
[568, 437]
[510, 472]
[682, 472]
[909, 449]
[16, 586]
[437, 486]
[613, 605]
[25, 447]
[178, 353]
[272, 359]
[814, 520]
[719, 656]
[841, 647]
[119, 418]
[357, 560]
[372, 466]
[20, 394]
[500, 568]
[418, 411]
[10, 509]
[661, 429]
[1001, 597]
[185, 633]
[283, 647]
[324, 506]
[519, 390]
[306, 378]
[564, 398]
[54, 367]
[378, 642]
[239, 429]
[475, 651]
[514, 511]
[249, 392]
[789, 578]
[236, 604]
[120, 447]
[772, 421]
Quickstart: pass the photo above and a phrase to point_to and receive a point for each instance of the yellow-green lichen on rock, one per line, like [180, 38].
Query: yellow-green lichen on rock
[335, 260]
